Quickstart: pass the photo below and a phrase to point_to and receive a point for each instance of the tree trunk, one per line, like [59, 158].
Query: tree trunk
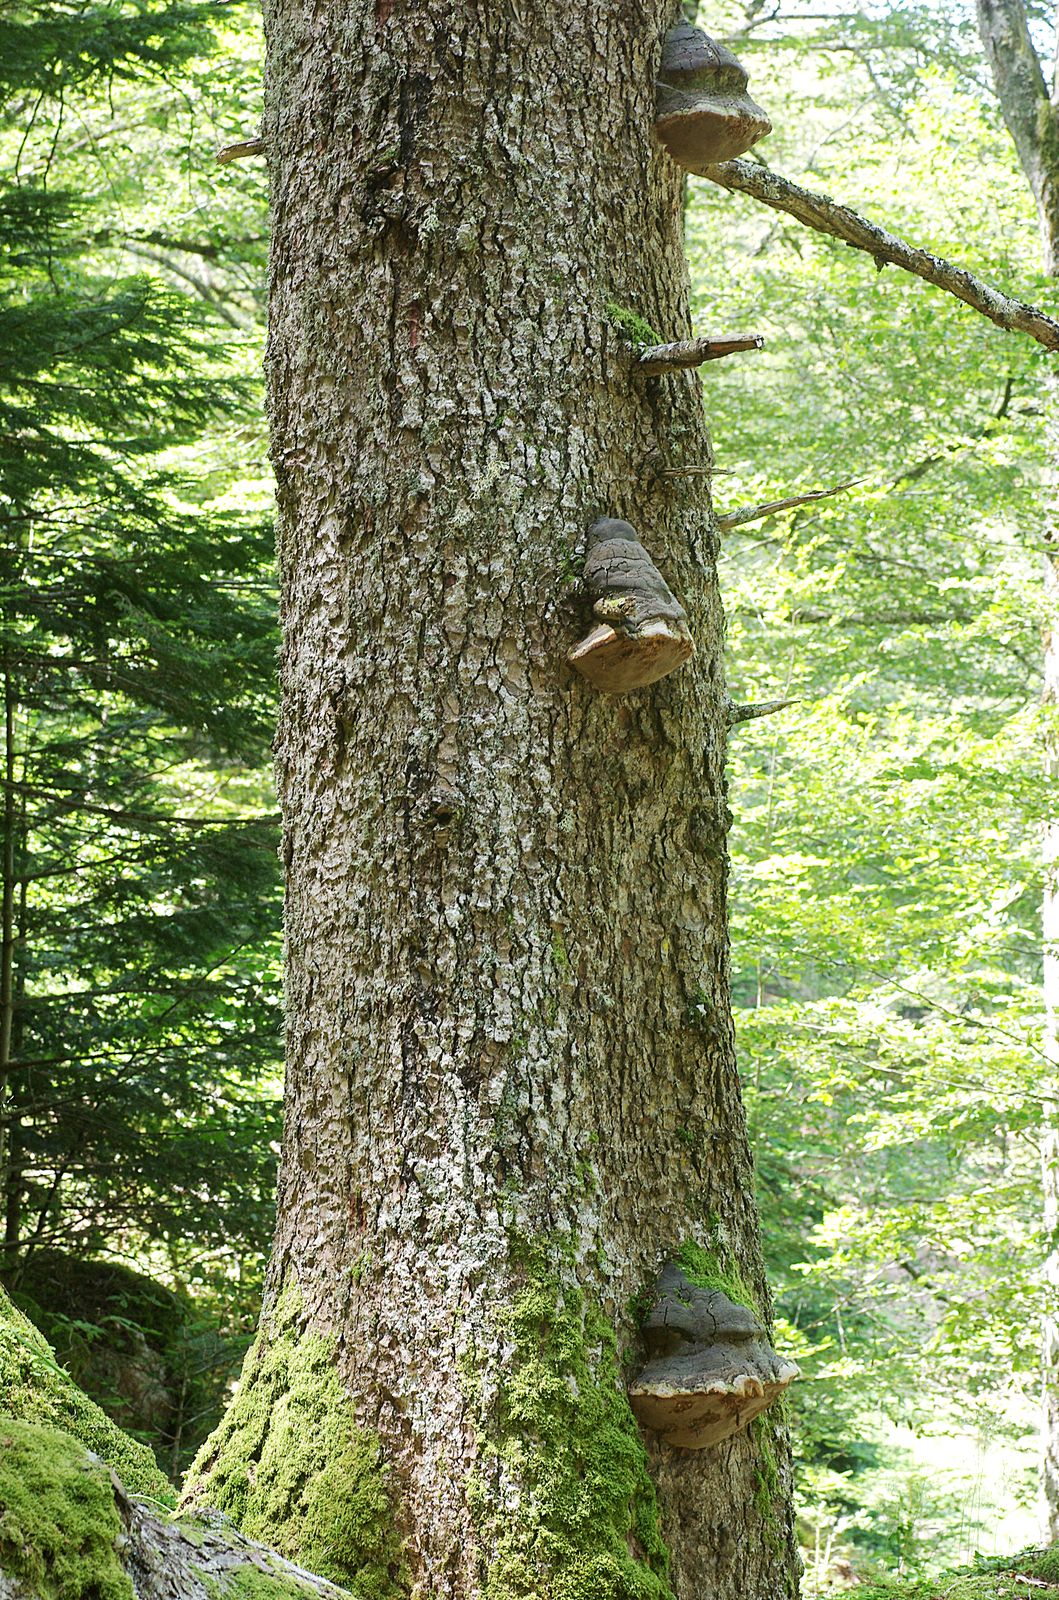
[1050, 1129]
[1033, 123]
[511, 1088]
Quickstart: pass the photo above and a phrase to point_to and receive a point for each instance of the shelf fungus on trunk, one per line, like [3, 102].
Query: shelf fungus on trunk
[710, 1367]
[703, 113]
[641, 631]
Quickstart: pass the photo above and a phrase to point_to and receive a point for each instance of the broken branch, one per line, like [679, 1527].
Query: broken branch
[748, 713]
[236, 152]
[743, 514]
[819, 211]
[659, 358]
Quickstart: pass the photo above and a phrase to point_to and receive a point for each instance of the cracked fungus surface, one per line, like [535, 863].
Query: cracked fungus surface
[59, 1524]
[291, 1467]
[35, 1389]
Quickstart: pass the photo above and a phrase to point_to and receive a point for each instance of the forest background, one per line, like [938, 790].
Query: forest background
[886, 883]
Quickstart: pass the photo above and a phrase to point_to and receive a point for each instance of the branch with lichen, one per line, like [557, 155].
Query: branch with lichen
[750, 713]
[819, 211]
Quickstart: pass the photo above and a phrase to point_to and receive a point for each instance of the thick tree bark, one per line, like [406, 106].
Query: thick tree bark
[512, 1091]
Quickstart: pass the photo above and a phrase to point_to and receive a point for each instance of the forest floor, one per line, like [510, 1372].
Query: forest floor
[1034, 1575]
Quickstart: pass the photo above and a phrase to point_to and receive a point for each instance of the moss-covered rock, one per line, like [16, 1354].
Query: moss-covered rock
[68, 1531]
[291, 1467]
[35, 1389]
[141, 1351]
[560, 1431]
[59, 1525]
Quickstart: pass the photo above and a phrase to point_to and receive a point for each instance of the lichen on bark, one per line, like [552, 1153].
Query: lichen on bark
[580, 1518]
[35, 1389]
[291, 1467]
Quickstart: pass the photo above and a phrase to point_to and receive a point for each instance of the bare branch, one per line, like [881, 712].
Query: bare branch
[819, 211]
[749, 713]
[659, 358]
[236, 152]
[202, 286]
[744, 514]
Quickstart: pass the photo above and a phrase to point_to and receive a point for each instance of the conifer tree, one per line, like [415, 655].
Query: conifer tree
[139, 883]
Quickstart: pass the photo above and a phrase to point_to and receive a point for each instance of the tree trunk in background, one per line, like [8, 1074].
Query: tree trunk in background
[1050, 1131]
[511, 1084]
[1033, 122]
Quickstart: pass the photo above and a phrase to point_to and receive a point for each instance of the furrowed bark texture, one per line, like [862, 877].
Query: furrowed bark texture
[511, 1082]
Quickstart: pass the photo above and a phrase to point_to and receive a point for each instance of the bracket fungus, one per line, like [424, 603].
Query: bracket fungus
[703, 113]
[642, 630]
[710, 1367]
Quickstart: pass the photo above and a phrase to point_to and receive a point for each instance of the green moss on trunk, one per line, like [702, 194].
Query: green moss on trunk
[712, 1269]
[291, 1467]
[560, 1430]
[34, 1388]
[630, 326]
[59, 1525]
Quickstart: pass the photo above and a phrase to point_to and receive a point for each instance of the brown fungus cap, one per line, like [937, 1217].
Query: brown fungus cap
[710, 1367]
[703, 113]
[642, 631]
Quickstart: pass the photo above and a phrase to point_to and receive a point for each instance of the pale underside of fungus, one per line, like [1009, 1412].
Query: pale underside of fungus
[710, 1368]
[641, 631]
[703, 113]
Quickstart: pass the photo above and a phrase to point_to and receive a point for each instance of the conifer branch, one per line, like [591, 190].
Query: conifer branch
[819, 211]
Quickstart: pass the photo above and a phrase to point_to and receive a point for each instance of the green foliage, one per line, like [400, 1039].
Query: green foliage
[560, 1445]
[291, 1467]
[36, 1390]
[1002, 1579]
[140, 1100]
[886, 882]
[52, 47]
[59, 1525]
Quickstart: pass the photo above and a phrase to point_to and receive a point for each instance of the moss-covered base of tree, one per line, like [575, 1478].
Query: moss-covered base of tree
[561, 1436]
[1001, 1579]
[34, 1388]
[59, 1525]
[291, 1467]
